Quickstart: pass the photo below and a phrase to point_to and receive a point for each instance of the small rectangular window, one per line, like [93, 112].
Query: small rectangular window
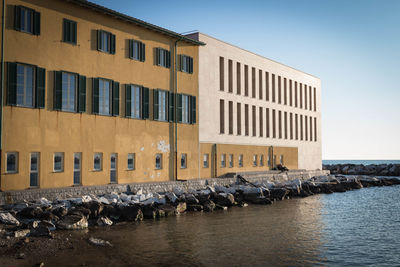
[274, 161]
[253, 82]
[34, 169]
[305, 97]
[158, 161]
[98, 161]
[131, 161]
[269, 161]
[260, 85]
[284, 91]
[273, 88]
[183, 161]
[261, 120]
[58, 163]
[301, 127]
[285, 124]
[27, 20]
[239, 119]
[77, 168]
[279, 90]
[230, 114]
[246, 80]
[69, 31]
[306, 127]
[261, 160]
[315, 129]
[315, 99]
[295, 94]
[221, 74]
[238, 79]
[246, 119]
[280, 123]
[273, 123]
[221, 117]
[205, 161]
[113, 167]
[267, 122]
[291, 125]
[137, 50]
[163, 57]
[230, 160]
[290, 93]
[105, 42]
[240, 163]
[12, 162]
[230, 76]
[186, 64]
[254, 121]
[255, 161]
[267, 86]
[223, 160]
[301, 95]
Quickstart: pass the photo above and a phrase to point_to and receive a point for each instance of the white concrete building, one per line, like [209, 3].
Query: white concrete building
[247, 99]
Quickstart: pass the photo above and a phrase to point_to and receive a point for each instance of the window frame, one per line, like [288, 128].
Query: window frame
[240, 160]
[34, 74]
[261, 159]
[76, 91]
[75, 25]
[37, 171]
[163, 57]
[16, 154]
[110, 42]
[35, 20]
[281, 160]
[114, 170]
[133, 162]
[62, 161]
[101, 161]
[206, 158]
[141, 50]
[186, 61]
[184, 160]
[110, 100]
[223, 160]
[77, 170]
[160, 164]
[255, 160]
[230, 160]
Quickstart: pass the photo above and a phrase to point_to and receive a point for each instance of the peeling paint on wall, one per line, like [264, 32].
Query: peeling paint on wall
[162, 146]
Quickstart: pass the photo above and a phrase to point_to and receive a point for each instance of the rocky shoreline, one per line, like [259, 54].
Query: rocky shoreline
[360, 169]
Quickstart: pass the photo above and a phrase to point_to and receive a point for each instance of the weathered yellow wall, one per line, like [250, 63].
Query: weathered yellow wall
[47, 131]
[248, 151]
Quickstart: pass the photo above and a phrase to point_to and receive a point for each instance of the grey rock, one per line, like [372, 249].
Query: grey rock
[72, 222]
[7, 218]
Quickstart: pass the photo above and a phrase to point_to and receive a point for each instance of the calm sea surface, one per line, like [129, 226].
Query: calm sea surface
[356, 228]
[365, 162]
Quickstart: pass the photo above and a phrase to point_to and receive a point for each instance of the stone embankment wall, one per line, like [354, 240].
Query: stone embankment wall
[76, 191]
[360, 169]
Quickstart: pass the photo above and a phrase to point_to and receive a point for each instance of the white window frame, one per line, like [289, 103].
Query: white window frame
[133, 157]
[136, 102]
[101, 161]
[62, 161]
[184, 161]
[102, 96]
[223, 160]
[162, 105]
[16, 162]
[37, 167]
[158, 167]
[24, 86]
[206, 160]
[77, 170]
[185, 109]
[68, 88]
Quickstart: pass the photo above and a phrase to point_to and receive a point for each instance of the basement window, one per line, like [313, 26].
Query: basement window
[205, 161]
[183, 161]
[131, 161]
[158, 161]
[12, 162]
[97, 161]
[58, 161]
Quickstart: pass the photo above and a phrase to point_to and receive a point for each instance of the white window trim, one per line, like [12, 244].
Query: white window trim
[62, 161]
[16, 162]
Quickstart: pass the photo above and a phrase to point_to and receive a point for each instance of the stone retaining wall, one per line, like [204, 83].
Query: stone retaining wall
[75, 191]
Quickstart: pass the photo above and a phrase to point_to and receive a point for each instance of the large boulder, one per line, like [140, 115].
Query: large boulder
[168, 209]
[208, 205]
[95, 208]
[131, 213]
[60, 211]
[278, 193]
[79, 210]
[33, 212]
[224, 199]
[73, 222]
[149, 211]
[7, 218]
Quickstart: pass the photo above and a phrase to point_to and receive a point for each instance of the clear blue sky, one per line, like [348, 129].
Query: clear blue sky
[353, 46]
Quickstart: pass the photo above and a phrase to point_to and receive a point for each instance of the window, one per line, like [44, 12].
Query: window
[230, 116]
[230, 160]
[305, 96]
[274, 161]
[105, 97]
[311, 129]
[306, 127]
[260, 85]
[291, 125]
[284, 91]
[261, 121]
[261, 160]
[279, 90]
[77, 168]
[113, 168]
[185, 110]
[136, 102]
[267, 122]
[105, 42]
[296, 125]
[25, 85]
[69, 92]
[273, 88]
[246, 80]
[295, 94]
[163, 58]
[253, 82]
[281, 160]
[158, 161]
[239, 119]
[131, 161]
[34, 170]
[246, 119]
[315, 99]
[254, 121]
[301, 127]
[27, 20]
[240, 161]
[183, 161]
[285, 124]
[12, 162]
[137, 50]
[69, 31]
[223, 160]
[280, 123]
[269, 161]
[273, 123]
[221, 74]
[301, 95]
[58, 165]
[221, 117]
[255, 161]
[160, 101]
[186, 63]
[238, 79]
[290, 93]
[315, 129]
[230, 76]
[267, 86]
[205, 161]
[98, 161]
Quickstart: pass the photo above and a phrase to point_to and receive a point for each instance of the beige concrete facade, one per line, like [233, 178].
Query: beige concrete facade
[297, 103]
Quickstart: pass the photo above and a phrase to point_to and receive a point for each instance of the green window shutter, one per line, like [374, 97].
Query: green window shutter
[155, 104]
[36, 23]
[95, 104]
[115, 99]
[168, 59]
[180, 62]
[171, 103]
[145, 103]
[57, 90]
[130, 48]
[82, 94]
[193, 110]
[128, 100]
[17, 18]
[40, 87]
[112, 44]
[11, 83]
[99, 43]
[73, 32]
[190, 65]
[143, 52]
[179, 108]
[66, 32]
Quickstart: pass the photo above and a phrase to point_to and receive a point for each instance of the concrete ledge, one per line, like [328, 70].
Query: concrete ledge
[9, 197]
